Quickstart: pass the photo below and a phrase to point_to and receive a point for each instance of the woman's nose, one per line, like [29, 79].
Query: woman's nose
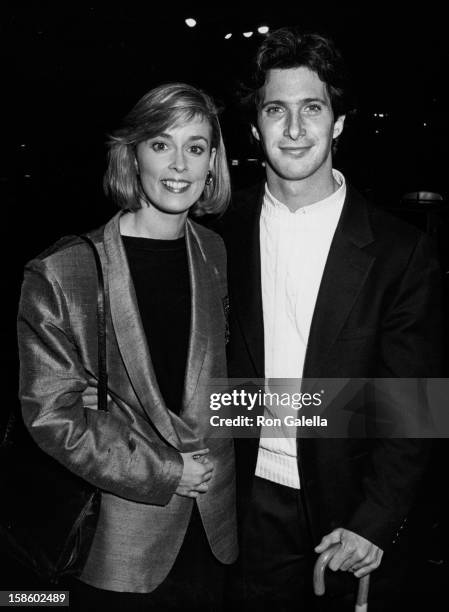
[178, 162]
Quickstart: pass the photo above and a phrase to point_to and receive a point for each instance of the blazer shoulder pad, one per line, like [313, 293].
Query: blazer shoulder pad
[63, 247]
[393, 228]
[385, 225]
[245, 198]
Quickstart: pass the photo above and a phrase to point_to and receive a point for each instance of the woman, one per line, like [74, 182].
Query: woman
[167, 521]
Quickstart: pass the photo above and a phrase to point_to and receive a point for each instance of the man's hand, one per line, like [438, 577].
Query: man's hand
[355, 554]
[196, 474]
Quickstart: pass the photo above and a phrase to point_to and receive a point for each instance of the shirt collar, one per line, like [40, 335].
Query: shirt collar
[272, 205]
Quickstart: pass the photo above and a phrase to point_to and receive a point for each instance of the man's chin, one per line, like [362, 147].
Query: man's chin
[294, 172]
[288, 174]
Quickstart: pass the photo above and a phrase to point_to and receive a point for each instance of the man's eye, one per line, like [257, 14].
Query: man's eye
[312, 108]
[273, 110]
[196, 149]
[159, 146]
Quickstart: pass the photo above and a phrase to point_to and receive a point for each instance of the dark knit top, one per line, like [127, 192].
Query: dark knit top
[159, 270]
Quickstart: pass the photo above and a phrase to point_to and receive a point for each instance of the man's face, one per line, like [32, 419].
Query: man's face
[296, 124]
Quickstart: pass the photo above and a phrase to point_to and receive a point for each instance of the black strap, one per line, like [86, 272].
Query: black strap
[101, 329]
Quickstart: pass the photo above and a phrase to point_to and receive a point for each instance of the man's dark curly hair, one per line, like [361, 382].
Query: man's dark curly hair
[289, 48]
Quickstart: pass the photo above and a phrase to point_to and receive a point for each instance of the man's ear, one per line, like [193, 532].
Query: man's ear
[255, 132]
[338, 126]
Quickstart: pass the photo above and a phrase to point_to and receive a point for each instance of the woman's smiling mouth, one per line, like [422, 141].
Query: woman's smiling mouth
[175, 186]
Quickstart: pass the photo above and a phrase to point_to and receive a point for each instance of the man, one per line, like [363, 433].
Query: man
[321, 284]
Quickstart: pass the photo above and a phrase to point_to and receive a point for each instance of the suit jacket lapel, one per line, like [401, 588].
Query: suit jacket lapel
[346, 270]
[130, 333]
[244, 256]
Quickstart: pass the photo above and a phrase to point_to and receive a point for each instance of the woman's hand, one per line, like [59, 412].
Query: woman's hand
[197, 468]
[90, 396]
[196, 474]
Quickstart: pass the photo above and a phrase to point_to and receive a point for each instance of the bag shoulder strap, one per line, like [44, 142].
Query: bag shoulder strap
[101, 328]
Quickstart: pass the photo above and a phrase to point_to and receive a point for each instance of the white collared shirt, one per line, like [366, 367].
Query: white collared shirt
[293, 248]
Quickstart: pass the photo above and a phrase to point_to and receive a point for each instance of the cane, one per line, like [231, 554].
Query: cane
[318, 580]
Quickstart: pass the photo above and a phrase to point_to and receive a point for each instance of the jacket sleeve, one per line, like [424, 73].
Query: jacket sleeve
[410, 352]
[108, 452]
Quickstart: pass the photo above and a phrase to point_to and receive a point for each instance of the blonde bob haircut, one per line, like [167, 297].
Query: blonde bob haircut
[160, 109]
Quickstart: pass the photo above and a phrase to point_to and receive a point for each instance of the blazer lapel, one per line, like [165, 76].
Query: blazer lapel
[244, 263]
[200, 313]
[130, 333]
[346, 270]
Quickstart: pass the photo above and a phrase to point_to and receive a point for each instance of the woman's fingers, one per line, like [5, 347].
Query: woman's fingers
[202, 488]
[200, 455]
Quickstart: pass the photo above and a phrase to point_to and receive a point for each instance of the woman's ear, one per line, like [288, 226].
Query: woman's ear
[213, 153]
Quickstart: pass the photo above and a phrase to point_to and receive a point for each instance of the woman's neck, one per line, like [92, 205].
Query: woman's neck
[149, 222]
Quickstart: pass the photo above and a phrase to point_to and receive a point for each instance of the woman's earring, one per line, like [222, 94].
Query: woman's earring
[209, 178]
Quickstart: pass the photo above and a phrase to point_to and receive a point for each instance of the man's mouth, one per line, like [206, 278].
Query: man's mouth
[175, 186]
[295, 151]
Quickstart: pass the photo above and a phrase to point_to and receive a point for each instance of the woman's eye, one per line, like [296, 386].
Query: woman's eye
[159, 146]
[196, 149]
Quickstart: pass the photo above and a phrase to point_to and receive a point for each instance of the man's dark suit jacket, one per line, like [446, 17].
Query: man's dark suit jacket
[377, 314]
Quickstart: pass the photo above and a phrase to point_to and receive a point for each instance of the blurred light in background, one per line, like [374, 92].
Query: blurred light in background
[228, 36]
[263, 30]
[248, 34]
[191, 22]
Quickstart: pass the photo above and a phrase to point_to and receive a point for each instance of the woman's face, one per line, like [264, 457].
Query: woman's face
[173, 166]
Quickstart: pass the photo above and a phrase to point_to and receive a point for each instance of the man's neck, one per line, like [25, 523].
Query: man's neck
[304, 192]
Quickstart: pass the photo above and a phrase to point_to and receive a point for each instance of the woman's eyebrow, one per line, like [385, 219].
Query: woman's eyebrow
[193, 137]
[199, 137]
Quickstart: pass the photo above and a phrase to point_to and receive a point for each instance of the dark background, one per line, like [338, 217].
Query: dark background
[70, 71]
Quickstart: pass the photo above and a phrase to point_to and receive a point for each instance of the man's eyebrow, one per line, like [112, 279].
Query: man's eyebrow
[320, 100]
[268, 102]
[302, 101]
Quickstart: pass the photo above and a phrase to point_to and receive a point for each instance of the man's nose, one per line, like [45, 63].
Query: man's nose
[178, 162]
[294, 127]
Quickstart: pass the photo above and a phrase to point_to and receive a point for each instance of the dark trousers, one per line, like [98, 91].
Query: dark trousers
[275, 569]
[195, 582]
